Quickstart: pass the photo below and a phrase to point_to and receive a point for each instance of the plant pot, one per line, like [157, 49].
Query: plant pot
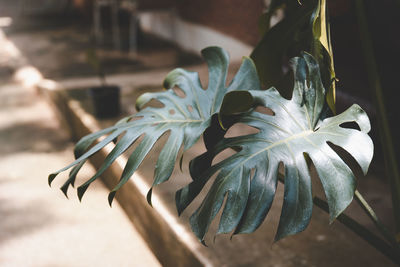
[106, 101]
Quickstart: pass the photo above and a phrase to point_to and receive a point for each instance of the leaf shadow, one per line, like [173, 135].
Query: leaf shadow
[34, 136]
[18, 221]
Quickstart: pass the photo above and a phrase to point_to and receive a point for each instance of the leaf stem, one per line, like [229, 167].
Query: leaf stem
[374, 218]
[390, 250]
[384, 128]
[378, 243]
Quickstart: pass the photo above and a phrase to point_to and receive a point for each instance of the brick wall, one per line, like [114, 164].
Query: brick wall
[237, 18]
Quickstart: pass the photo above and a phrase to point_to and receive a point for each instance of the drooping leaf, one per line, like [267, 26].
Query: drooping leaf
[184, 118]
[297, 128]
[323, 50]
[277, 43]
[264, 22]
[305, 27]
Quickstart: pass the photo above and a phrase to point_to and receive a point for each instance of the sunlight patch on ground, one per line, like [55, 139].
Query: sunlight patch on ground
[5, 21]
[28, 76]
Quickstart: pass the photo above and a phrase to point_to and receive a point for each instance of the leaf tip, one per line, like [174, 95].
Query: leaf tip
[64, 189]
[111, 197]
[277, 238]
[231, 237]
[148, 197]
[51, 178]
[332, 218]
[166, 83]
[81, 191]
[178, 202]
[142, 100]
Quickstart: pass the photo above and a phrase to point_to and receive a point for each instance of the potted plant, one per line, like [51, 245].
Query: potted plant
[105, 97]
[299, 131]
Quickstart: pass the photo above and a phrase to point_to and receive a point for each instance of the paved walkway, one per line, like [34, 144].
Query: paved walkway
[38, 225]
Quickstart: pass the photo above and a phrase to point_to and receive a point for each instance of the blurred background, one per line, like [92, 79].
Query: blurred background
[53, 51]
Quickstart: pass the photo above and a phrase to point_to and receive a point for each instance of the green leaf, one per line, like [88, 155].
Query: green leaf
[277, 42]
[322, 49]
[297, 128]
[305, 27]
[184, 118]
[264, 22]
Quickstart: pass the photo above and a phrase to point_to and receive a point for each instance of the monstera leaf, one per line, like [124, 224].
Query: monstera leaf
[296, 130]
[305, 27]
[185, 118]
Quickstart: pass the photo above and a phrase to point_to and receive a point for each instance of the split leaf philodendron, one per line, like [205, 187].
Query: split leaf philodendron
[190, 117]
[297, 128]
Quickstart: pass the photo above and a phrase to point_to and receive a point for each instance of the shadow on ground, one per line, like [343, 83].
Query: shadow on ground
[41, 138]
[18, 220]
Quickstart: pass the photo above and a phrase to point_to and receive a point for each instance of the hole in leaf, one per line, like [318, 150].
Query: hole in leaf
[135, 118]
[348, 159]
[116, 139]
[211, 236]
[232, 68]
[252, 172]
[160, 143]
[134, 145]
[154, 103]
[203, 78]
[350, 125]
[264, 110]
[179, 92]
[316, 184]
[223, 155]
[281, 170]
[239, 129]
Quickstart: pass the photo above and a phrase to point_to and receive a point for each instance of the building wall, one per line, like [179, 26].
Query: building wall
[236, 18]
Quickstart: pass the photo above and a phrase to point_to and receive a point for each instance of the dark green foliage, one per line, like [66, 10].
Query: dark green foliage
[298, 127]
[185, 118]
[304, 28]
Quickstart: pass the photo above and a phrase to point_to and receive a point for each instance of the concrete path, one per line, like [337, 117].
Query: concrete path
[38, 225]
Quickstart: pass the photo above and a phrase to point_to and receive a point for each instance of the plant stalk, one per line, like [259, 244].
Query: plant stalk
[384, 128]
[388, 246]
[374, 218]
[375, 241]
